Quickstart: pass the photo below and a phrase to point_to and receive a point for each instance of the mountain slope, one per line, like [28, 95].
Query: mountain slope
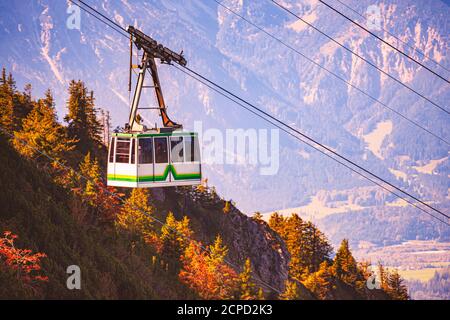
[44, 216]
[244, 237]
[51, 220]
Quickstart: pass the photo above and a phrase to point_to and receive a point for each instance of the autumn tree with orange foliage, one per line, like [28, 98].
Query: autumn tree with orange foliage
[22, 261]
[206, 272]
[227, 207]
[90, 187]
[41, 133]
[392, 283]
[291, 291]
[321, 283]
[344, 264]
[307, 245]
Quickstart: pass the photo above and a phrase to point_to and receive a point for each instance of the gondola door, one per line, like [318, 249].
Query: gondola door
[124, 170]
[145, 167]
[161, 166]
[111, 162]
[177, 158]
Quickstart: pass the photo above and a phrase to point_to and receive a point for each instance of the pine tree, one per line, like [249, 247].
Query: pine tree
[291, 291]
[316, 244]
[23, 105]
[90, 170]
[258, 217]
[396, 288]
[247, 287]
[295, 241]
[206, 272]
[321, 283]
[217, 251]
[225, 278]
[227, 207]
[105, 122]
[6, 103]
[41, 133]
[195, 272]
[184, 232]
[82, 120]
[277, 223]
[87, 183]
[95, 126]
[136, 214]
[170, 245]
[260, 294]
[383, 277]
[11, 82]
[344, 265]
[174, 238]
[49, 102]
[306, 244]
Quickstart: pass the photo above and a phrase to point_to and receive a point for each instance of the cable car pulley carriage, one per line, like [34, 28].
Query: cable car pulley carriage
[140, 157]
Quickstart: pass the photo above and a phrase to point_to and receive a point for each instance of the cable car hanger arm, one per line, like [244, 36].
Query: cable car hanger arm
[152, 50]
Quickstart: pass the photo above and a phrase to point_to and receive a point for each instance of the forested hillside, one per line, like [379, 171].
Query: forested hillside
[437, 288]
[176, 243]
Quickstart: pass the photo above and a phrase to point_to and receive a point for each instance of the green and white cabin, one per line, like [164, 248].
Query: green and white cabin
[154, 159]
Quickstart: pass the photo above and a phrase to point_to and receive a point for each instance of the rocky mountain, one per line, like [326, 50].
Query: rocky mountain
[243, 236]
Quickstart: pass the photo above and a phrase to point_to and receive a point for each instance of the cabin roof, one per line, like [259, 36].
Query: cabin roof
[153, 134]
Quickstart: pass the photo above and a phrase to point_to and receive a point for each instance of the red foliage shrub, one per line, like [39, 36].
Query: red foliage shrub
[23, 261]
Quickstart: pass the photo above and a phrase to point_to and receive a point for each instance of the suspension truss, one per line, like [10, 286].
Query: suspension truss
[152, 50]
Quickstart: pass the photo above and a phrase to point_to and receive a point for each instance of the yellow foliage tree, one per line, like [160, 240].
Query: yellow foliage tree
[175, 235]
[344, 265]
[321, 282]
[7, 89]
[90, 171]
[247, 287]
[227, 207]
[41, 133]
[258, 217]
[135, 215]
[291, 291]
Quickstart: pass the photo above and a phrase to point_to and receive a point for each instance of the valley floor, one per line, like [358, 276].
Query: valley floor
[418, 262]
[415, 260]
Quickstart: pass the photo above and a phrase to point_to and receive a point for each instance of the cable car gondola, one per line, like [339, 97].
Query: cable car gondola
[139, 157]
[154, 159]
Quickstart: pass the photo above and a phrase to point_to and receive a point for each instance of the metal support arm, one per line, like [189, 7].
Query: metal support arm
[148, 64]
